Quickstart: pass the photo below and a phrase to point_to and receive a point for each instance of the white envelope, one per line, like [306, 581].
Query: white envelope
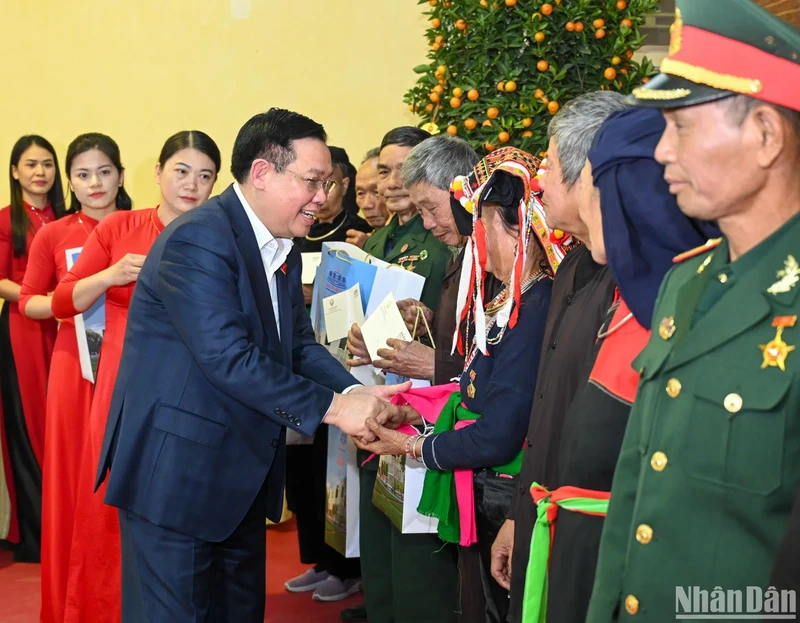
[311, 262]
[385, 322]
[341, 311]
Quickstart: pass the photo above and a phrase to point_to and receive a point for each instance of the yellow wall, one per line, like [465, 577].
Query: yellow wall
[141, 70]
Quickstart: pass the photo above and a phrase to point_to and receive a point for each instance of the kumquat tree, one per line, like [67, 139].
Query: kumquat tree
[499, 69]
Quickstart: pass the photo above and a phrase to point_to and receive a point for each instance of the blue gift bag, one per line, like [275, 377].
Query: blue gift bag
[337, 272]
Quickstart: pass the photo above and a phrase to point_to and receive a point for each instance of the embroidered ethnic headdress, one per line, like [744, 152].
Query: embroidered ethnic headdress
[488, 182]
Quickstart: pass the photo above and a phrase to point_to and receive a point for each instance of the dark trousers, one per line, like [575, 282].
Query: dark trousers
[473, 592]
[408, 578]
[25, 469]
[306, 471]
[484, 599]
[170, 577]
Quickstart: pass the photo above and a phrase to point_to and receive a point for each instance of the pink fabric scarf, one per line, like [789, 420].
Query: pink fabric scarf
[429, 402]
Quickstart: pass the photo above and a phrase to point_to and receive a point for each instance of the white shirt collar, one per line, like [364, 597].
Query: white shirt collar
[279, 248]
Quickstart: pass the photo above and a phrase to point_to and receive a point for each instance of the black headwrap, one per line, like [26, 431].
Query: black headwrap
[643, 228]
[504, 189]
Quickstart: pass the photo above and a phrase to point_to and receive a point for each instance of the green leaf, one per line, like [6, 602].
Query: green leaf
[499, 45]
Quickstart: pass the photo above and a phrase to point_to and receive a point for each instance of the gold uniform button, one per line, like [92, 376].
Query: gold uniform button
[673, 388]
[659, 461]
[631, 604]
[733, 403]
[723, 278]
[644, 534]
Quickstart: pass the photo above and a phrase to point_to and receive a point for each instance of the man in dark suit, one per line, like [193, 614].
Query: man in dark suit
[219, 359]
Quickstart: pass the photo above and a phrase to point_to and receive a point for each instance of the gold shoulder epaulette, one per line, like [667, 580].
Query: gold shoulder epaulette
[711, 244]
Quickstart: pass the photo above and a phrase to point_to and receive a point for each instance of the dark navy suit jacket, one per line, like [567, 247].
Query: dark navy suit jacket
[205, 386]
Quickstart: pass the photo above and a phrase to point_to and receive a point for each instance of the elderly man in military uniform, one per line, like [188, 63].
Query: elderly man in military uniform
[709, 471]
[427, 172]
[404, 240]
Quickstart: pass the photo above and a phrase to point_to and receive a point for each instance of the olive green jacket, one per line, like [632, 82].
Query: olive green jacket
[710, 463]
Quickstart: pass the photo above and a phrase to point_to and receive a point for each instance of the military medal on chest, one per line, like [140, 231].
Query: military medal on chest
[471, 391]
[787, 277]
[408, 261]
[776, 350]
[666, 328]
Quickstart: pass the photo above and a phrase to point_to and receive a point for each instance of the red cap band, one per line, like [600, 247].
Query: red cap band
[721, 63]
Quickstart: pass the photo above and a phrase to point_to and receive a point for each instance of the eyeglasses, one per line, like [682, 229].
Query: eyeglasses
[313, 184]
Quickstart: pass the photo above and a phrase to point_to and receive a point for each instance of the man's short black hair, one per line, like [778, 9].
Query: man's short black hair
[404, 136]
[269, 136]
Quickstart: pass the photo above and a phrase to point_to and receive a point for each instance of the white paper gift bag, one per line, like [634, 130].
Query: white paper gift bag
[342, 495]
[398, 490]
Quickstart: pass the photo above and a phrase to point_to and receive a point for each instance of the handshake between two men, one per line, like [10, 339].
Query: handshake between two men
[372, 418]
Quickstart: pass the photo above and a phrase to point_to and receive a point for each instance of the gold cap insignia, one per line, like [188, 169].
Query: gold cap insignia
[660, 94]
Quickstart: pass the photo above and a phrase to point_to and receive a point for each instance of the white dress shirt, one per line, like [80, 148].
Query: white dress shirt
[274, 252]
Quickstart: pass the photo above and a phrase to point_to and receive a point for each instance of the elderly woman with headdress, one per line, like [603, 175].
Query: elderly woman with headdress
[636, 228]
[481, 429]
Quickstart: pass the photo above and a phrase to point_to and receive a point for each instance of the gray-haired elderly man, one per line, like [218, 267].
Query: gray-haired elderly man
[582, 293]
[427, 172]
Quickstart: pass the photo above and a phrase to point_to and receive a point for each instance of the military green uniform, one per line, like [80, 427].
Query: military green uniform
[415, 248]
[709, 468]
[710, 464]
[408, 578]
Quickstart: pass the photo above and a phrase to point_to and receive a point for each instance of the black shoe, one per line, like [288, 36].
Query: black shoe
[356, 613]
[24, 554]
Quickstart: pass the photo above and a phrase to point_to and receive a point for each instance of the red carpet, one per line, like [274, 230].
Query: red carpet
[19, 586]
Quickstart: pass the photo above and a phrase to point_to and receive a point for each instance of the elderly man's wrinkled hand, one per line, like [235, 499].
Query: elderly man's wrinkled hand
[394, 416]
[411, 359]
[384, 440]
[359, 356]
[308, 293]
[502, 553]
[357, 238]
[409, 309]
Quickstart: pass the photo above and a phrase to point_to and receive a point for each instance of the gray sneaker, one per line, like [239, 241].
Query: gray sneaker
[307, 582]
[334, 589]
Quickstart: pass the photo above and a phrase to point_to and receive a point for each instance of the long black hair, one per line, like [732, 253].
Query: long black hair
[191, 139]
[106, 145]
[21, 223]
